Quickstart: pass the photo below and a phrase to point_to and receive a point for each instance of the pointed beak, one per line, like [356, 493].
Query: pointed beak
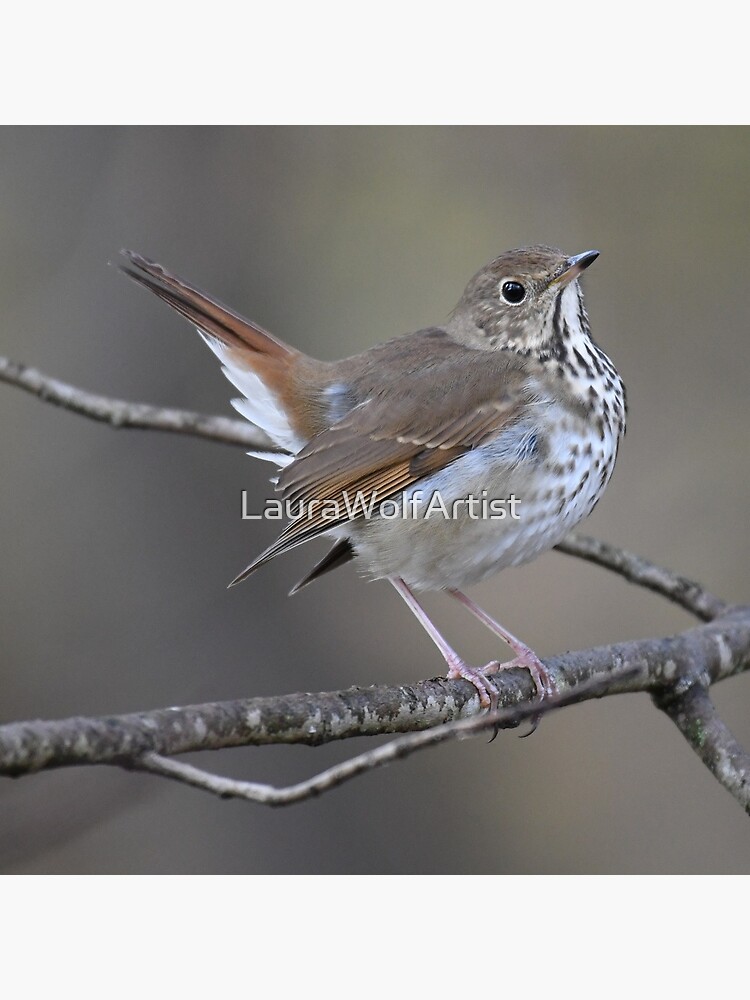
[574, 266]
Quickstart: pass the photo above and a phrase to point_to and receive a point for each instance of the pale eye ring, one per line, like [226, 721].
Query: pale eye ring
[513, 292]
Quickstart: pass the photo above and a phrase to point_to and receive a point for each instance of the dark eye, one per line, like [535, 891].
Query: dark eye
[513, 292]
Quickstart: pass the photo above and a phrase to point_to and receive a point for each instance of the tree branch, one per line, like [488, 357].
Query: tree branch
[402, 746]
[688, 594]
[695, 716]
[666, 667]
[676, 671]
[140, 416]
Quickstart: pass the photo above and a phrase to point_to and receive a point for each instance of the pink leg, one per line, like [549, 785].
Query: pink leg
[456, 666]
[525, 657]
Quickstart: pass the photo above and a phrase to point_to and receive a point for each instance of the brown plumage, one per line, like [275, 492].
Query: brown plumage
[511, 397]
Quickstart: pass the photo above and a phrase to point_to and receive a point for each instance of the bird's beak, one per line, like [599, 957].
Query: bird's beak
[574, 266]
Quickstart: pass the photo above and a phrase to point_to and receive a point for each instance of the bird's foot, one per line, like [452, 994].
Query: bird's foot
[543, 682]
[539, 674]
[476, 676]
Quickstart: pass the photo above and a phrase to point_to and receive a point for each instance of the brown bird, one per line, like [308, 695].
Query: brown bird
[440, 457]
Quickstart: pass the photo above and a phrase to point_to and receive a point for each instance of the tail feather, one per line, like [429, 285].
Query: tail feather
[253, 360]
[269, 373]
[206, 313]
[341, 553]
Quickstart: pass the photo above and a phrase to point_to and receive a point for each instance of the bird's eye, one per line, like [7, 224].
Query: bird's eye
[513, 292]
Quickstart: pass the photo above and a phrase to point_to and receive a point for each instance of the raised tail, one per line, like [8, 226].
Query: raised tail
[209, 315]
[280, 385]
[260, 365]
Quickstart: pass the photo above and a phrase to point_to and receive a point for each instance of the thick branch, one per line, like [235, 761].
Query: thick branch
[397, 749]
[708, 653]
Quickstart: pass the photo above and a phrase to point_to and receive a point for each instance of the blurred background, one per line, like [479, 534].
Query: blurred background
[117, 546]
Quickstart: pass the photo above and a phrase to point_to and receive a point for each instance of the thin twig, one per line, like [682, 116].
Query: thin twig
[140, 416]
[690, 595]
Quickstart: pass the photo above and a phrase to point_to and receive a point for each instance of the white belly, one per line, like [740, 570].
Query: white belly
[435, 552]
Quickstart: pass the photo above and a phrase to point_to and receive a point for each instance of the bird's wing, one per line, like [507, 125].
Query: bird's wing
[409, 429]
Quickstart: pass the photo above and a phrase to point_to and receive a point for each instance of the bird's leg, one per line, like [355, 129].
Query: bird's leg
[525, 657]
[456, 666]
